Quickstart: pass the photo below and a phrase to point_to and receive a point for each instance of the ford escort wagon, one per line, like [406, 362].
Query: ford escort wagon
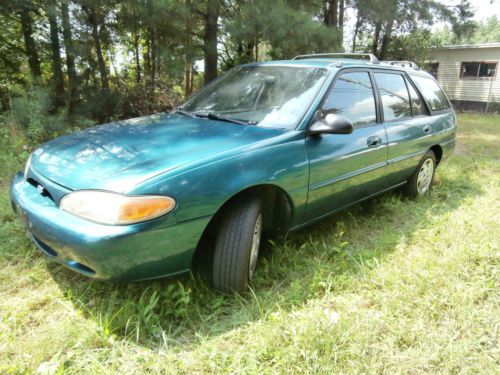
[268, 147]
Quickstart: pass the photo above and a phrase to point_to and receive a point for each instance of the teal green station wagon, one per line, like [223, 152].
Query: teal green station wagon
[267, 148]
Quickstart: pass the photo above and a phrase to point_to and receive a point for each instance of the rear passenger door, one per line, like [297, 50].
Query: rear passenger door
[345, 168]
[407, 124]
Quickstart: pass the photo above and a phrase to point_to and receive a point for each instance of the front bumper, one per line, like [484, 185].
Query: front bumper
[152, 249]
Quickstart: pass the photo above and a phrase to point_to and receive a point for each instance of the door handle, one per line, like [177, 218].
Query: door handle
[426, 129]
[373, 141]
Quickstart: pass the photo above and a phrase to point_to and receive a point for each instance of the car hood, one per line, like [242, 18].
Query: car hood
[119, 155]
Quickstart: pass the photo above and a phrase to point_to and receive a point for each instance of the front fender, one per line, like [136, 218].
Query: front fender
[201, 190]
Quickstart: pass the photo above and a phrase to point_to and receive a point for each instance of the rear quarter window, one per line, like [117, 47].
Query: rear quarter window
[431, 92]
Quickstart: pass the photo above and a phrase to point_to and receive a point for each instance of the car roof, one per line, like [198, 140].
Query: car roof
[338, 63]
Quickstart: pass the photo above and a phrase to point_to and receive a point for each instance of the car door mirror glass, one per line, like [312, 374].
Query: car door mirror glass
[332, 124]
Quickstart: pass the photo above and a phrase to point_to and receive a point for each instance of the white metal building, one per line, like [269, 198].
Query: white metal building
[469, 74]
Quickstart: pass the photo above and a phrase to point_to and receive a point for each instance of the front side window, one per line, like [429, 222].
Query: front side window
[264, 95]
[394, 94]
[478, 69]
[352, 97]
[431, 92]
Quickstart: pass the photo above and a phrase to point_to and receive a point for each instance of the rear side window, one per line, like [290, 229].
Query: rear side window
[433, 95]
[417, 107]
[352, 97]
[394, 94]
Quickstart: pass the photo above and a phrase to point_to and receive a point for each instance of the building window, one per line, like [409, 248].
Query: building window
[478, 69]
[487, 69]
[433, 69]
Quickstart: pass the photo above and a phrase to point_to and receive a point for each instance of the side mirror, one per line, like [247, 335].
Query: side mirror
[332, 124]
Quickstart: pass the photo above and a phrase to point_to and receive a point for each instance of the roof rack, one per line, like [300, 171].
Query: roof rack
[371, 56]
[403, 64]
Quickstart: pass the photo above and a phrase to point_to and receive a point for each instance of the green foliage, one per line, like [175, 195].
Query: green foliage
[413, 47]
[29, 123]
[286, 28]
[487, 31]
[290, 32]
[108, 59]
[463, 26]
[14, 146]
[30, 112]
[11, 55]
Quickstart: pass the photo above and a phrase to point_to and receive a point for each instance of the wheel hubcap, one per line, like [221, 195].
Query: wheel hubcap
[424, 177]
[254, 252]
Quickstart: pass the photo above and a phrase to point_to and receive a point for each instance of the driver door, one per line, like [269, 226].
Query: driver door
[345, 168]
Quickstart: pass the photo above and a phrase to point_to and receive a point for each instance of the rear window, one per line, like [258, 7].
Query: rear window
[433, 95]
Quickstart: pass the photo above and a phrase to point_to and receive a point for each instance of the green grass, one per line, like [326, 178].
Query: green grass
[390, 286]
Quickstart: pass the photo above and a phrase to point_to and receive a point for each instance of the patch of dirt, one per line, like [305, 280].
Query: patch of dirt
[461, 149]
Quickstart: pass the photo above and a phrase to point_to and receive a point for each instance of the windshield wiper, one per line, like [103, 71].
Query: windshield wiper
[185, 113]
[215, 116]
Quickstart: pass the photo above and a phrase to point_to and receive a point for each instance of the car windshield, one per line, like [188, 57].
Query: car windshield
[263, 95]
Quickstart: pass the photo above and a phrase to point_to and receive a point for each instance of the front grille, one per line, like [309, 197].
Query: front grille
[41, 189]
[45, 186]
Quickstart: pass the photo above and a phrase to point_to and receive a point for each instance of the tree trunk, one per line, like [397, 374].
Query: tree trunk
[249, 51]
[256, 48]
[341, 21]
[29, 44]
[147, 57]
[386, 39]
[56, 55]
[153, 45]
[330, 10]
[188, 74]
[188, 60]
[70, 55]
[376, 37]
[137, 60]
[103, 70]
[356, 30]
[191, 84]
[92, 67]
[210, 40]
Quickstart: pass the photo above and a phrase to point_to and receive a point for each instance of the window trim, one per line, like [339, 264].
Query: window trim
[330, 88]
[478, 78]
[428, 106]
[427, 109]
[381, 109]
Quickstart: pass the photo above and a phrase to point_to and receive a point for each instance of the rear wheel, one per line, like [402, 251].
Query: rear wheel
[237, 246]
[421, 180]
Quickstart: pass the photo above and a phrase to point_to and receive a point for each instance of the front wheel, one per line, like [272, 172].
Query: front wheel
[237, 246]
[421, 180]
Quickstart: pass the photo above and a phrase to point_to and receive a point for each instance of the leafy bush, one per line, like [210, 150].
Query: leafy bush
[14, 146]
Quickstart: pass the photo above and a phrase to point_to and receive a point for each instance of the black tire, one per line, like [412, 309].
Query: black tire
[231, 260]
[411, 189]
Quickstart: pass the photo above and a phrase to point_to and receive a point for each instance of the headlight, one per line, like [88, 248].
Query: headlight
[27, 166]
[112, 208]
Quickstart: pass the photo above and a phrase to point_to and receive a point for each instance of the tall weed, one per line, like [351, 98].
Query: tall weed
[31, 121]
